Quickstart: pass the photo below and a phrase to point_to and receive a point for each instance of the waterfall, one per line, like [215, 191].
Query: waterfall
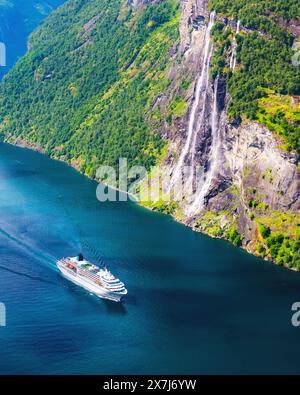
[206, 182]
[202, 116]
[200, 96]
[233, 53]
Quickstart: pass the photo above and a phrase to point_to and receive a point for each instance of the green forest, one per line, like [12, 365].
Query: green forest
[264, 54]
[84, 87]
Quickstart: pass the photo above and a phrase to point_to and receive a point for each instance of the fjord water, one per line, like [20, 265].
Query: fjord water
[195, 305]
[17, 20]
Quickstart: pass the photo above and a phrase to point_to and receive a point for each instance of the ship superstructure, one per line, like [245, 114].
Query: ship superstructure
[99, 281]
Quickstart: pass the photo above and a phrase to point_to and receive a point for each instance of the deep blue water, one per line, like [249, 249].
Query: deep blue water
[17, 20]
[195, 305]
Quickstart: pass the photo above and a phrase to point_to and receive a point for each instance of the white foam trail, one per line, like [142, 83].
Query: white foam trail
[233, 53]
[201, 90]
[214, 158]
[50, 260]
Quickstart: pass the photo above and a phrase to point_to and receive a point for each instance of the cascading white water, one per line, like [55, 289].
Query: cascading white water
[200, 93]
[233, 53]
[205, 183]
[202, 116]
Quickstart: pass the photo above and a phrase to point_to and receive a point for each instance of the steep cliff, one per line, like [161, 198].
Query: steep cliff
[249, 192]
[179, 84]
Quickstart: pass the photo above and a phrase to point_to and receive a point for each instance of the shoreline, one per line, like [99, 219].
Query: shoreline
[21, 143]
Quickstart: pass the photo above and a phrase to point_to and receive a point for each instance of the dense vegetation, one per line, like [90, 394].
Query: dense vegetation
[83, 89]
[214, 225]
[251, 12]
[284, 250]
[278, 232]
[264, 54]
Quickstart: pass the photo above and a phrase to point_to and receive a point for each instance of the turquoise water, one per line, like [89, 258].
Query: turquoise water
[195, 305]
[17, 19]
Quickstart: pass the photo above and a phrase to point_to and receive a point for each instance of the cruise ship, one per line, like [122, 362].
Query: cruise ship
[99, 282]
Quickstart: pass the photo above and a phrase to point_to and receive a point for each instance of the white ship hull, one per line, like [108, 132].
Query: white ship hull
[95, 289]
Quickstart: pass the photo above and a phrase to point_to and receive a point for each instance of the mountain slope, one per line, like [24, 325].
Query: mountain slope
[169, 82]
[89, 76]
[264, 52]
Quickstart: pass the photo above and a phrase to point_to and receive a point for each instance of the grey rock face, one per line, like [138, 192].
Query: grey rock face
[247, 154]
